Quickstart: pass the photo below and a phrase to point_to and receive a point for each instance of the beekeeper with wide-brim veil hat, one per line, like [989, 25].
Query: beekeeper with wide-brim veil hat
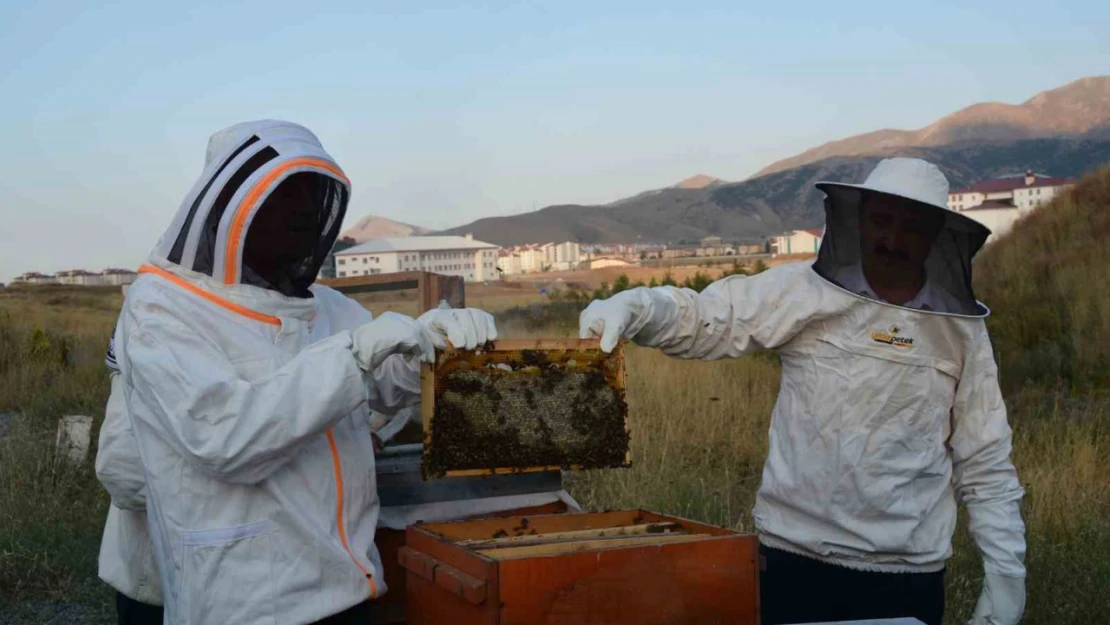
[889, 411]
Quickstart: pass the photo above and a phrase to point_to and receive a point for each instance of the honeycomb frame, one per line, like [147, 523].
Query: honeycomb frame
[527, 357]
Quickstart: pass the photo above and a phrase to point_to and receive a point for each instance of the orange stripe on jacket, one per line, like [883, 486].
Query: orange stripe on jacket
[339, 511]
[239, 222]
[215, 299]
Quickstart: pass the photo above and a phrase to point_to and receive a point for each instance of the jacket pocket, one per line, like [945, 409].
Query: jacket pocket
[893, 422]
[227, 575]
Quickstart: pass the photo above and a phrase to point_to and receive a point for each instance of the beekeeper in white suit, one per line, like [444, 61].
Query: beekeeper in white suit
[248, 390]
[126, 560]
[889, 409]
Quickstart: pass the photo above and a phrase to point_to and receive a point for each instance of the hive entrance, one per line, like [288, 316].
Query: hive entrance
[520, 406]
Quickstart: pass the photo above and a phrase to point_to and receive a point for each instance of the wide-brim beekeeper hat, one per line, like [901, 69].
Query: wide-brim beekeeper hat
[915, 183]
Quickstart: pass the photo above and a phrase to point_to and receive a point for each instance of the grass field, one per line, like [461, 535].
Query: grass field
[699, 436]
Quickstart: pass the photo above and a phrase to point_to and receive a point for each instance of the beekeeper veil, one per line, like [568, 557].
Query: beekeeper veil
[265, 212]
[918, 186]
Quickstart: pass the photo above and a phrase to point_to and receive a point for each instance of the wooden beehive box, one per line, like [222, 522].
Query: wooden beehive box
[524, 406]
[611, 568]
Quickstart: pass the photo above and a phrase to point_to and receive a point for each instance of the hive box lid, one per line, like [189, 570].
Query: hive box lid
[610, 568]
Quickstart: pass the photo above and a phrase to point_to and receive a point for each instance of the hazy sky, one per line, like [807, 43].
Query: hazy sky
[443, 114]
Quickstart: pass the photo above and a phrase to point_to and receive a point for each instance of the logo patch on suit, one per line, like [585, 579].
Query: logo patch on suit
[892, 338]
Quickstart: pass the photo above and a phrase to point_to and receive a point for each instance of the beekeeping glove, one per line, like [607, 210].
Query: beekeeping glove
[1002, 601]
[636, 313]
[465, 328]
[390, 333]
[385, 427]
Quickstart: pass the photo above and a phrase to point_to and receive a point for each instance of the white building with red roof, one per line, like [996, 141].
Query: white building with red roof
[998, 203]
[79, 277]
[117, 277]
[34, 277]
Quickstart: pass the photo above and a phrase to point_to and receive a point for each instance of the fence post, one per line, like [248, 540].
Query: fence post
[74, 437]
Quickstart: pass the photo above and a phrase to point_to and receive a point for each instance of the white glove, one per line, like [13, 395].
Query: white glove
[1002, 601]
[389, 334]
[619, 317]
[385, 427]
[465, 328]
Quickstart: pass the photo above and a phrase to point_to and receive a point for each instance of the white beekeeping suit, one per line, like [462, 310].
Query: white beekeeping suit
[886, 416]
[126, 560]
[248, 390]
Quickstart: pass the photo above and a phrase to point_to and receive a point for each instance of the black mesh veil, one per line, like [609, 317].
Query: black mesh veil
[293, 279]
[205, 259]
[947, 267]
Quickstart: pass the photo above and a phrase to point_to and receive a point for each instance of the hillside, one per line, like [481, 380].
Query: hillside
[693, 183]
[699, 181]
[1061, 132]
[1046, 282]
[374, 227]
[1078, 108]
[767, 205]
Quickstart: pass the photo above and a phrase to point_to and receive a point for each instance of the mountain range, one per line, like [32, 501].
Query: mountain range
[1074, 110]
[1062, 132]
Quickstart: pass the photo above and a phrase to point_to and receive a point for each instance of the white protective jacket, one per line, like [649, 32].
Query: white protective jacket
[249, 407]
[885, 416]
[126, 560]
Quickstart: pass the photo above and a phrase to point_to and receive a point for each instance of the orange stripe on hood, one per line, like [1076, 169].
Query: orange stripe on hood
[215, 299]
[239, 222]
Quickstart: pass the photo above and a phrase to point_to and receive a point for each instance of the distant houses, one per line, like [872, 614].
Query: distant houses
[539, 257]
[34, 277]
[80, 277]
[477, 261]
[806, 241]
[708, 247]
[999, 202]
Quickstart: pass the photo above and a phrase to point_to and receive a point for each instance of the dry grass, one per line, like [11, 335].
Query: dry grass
[593, 278]
[52, 344]
[493, 298]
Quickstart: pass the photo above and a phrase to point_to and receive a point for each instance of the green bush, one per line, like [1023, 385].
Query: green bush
[698, 282]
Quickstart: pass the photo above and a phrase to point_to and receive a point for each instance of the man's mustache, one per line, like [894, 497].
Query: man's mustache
[885, 252]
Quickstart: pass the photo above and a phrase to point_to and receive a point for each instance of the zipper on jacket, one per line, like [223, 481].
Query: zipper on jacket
[339, 512]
